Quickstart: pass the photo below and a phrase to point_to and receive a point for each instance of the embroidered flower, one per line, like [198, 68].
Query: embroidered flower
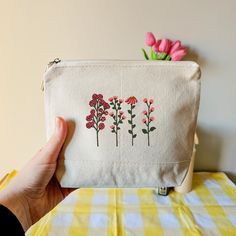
[117, 116]
[148, 118]
[96, 118]
[131, 101]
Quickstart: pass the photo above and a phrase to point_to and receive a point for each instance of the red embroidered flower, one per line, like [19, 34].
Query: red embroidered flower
[101, 126]
[89, 125]
[103, 118]
[96, 118]
[131, 100]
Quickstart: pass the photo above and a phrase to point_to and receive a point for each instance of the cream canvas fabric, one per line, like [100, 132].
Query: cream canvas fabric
[130, 123]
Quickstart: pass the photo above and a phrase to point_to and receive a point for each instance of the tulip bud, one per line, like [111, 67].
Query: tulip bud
[175, 46]
[164, 45]
[156, 46]
[150, 39]
[179, 54]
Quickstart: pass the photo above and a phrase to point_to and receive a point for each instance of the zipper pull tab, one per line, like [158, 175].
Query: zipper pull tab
[55, 61]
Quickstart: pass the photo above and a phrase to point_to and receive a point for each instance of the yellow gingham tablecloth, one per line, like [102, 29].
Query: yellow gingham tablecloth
[210, 209]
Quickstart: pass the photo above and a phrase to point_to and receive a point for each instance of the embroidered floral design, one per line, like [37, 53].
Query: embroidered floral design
[118, 115]
[131, 101]
[97, 115]
[148, 118]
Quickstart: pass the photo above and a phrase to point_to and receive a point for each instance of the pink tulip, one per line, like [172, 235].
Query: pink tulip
[175, 46]
[156, 45]
[179, 54]
[150, 39]
[164, 45]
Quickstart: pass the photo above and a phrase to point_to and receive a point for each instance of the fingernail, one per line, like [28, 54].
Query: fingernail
[58, 123]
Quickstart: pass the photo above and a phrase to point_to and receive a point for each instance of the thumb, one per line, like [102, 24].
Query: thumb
[49, 153]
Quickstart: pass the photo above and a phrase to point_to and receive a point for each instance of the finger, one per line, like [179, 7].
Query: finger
[50, 151]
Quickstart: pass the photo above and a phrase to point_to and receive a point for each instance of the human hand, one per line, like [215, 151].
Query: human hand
[35, 190]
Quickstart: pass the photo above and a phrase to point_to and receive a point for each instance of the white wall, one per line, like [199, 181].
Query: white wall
[34, 32]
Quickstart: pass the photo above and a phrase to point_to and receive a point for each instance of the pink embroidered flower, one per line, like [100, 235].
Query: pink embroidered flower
[111, 114]
[112, 126]
[148, 118]
[145, 100]
[110, 99]
[117, 115]
[106, 113]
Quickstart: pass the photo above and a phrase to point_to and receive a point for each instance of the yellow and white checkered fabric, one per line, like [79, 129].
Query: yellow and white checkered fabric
[210, 209]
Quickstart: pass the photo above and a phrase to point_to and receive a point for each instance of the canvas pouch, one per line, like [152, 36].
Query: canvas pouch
[130, 123]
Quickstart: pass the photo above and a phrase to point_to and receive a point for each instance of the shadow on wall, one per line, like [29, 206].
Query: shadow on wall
[209, 152]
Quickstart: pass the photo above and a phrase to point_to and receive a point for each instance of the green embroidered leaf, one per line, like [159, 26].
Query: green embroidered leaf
[129, 111]
[130, 131]
[145, 54]
[133, 106]
[118, 128]
[133, 126]
[129, 121]
[133, 115]
[135, 135]
[119, 108]
[113, 131]
[152, 128]
[114, 123]
[111, 103]
[121, 122]
[144, 131]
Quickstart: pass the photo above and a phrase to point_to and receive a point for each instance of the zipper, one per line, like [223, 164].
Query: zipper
[55, 61]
